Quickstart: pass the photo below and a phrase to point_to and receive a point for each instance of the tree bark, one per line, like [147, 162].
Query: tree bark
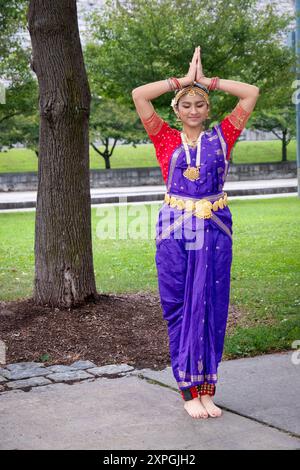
[64, 273]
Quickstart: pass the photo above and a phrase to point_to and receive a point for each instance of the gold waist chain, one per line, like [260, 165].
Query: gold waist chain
[203, 207]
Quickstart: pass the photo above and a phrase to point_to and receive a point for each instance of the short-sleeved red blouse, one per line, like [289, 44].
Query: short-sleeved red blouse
[166, 139]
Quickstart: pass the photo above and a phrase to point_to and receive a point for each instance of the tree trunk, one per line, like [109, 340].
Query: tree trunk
[106, 154]
[284, 145]
[106, 160]
[64, 274]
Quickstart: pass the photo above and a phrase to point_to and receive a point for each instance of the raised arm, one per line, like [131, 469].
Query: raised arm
[247, 94]
[143, 95]
[234, 123]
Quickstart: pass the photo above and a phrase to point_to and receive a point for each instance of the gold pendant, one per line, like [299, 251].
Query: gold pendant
[191, 173]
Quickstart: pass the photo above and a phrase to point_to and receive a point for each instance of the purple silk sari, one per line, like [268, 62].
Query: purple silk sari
[193, 260]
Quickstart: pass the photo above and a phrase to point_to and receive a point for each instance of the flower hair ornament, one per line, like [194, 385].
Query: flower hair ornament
[190, 90]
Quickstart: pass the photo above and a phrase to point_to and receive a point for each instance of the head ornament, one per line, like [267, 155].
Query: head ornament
[190, 90]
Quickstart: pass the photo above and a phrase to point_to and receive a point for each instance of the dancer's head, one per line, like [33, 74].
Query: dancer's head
[191, 102]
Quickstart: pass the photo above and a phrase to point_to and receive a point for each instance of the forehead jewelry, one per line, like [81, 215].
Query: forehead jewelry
[190, 90]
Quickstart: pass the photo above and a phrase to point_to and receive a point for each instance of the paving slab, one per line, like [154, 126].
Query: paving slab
[264, 388]
[123, 413]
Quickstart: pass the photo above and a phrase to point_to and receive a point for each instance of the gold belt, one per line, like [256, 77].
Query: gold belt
[203, 207]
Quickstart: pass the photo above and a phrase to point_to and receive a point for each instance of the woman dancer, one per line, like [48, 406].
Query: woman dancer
[194, 227]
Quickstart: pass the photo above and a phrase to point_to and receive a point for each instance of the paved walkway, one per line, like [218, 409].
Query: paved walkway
[258, 188]
[143, 410]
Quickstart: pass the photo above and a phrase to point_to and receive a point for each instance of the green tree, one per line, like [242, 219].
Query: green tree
[137, 41]
[12, 21]
[23, 130]
[18, 114]
[111, 120]
[281, 122]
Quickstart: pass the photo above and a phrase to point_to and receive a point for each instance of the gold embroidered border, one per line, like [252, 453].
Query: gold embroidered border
[172, 165]
[210, 197]
[222, 141]
[182, 218]
[197, 378]
[187, 375]
[221, 224]
[224, 150]
[239, 116]
[153, 124]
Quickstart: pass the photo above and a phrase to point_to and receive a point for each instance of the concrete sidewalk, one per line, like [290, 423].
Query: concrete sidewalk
[144, 410]
[273, 187]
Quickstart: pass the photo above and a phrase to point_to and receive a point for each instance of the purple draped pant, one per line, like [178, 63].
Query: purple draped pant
[194, 287]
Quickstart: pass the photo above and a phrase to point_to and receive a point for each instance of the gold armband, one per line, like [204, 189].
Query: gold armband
[239, 116]
[153, 124]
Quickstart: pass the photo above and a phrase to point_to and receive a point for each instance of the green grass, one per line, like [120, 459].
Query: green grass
[126, 156]
[265, 274]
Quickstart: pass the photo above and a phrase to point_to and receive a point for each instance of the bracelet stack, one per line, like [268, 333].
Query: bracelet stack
[214, 83]
[174, 84]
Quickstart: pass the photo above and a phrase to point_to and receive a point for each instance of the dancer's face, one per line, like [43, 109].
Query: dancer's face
[193, 110]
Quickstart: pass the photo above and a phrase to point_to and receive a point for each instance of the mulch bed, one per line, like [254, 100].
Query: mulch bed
[113, 329]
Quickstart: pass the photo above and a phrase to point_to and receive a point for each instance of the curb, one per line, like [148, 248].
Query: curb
[25, 375]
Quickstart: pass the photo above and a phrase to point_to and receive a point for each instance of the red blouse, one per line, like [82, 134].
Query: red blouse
[166, 139]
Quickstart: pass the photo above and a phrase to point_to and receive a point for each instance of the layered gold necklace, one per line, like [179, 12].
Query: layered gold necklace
[192, 173]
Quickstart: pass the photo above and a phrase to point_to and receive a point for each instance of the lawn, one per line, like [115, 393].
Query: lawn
[265, 273]
[126, 156]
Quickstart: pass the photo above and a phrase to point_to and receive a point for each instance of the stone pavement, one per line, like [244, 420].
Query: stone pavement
[118, 407]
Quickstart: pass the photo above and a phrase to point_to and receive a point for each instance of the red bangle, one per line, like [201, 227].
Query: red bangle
[213, 83]
[216, 82]
[178, 85]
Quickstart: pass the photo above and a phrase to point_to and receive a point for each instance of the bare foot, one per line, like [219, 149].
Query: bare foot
[195, 409]
[213, 410]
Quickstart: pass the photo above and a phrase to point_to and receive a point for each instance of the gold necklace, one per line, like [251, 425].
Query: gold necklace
[192, 172]
[189, 141]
